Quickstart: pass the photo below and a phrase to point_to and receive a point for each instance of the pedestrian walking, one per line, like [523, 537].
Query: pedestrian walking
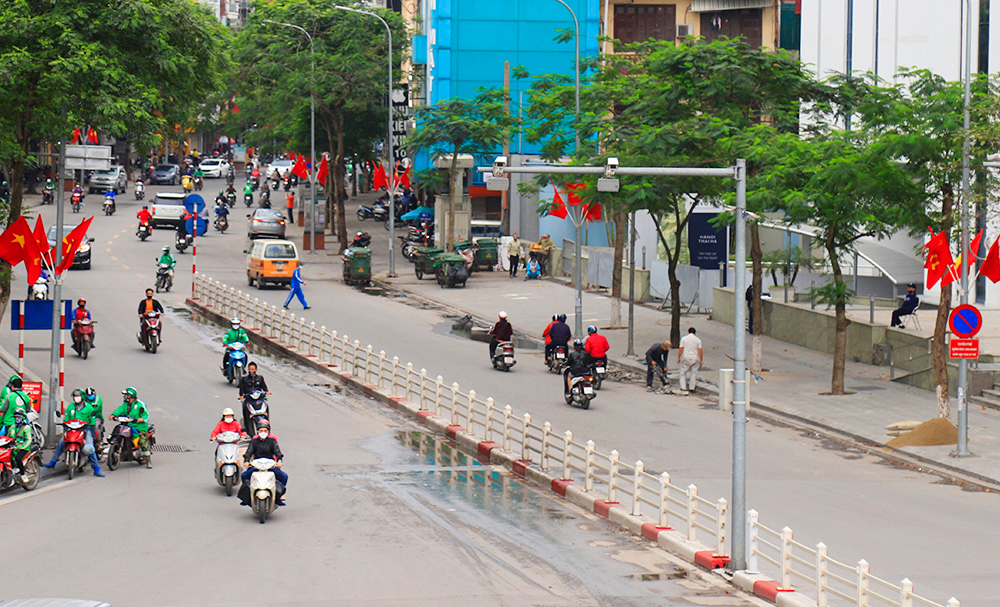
[689, 359]
[297, 284]
[656, 360]
[289, 203]
[514, 255]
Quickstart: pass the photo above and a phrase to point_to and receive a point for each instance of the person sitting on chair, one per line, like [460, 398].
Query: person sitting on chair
[910, 303]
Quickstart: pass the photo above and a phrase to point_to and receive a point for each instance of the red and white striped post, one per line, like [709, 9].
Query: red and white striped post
[20, 341]
[62, 357]
[194, 254]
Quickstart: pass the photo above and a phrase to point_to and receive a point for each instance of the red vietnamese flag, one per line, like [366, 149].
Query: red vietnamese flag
[378, 179]
[558, 208]
[323, 172]
[571, 189]
[71, 242]
[17, 242]
[91, 136]
[939, 262]
[76, 136]
[300, 170]
[403, 180]
[991, 267]
[593, 212]
[40, 239]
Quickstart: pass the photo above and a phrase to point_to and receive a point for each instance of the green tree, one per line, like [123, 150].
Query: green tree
[460, 126]
[276, 82]
[128, 68]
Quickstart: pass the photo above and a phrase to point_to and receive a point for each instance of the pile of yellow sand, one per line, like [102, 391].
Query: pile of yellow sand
[938, 431]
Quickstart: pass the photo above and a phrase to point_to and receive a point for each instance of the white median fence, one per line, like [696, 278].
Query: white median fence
[654, 496]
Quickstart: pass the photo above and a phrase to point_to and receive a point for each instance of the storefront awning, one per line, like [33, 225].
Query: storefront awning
[706, 6]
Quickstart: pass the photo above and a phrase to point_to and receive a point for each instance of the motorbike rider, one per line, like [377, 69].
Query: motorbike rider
[90, 413]
[560, 334]
[167, 258]
[4, 191]
[5, 391]
[113, 196]
[16, 402]
[234, 335]
[148, 305]
[136, 409]
[577, 364]
[221, 210]
[94, 399]
[501, 331]
[228, 423]
[597, 345]
[21, 433]
[76, 190]
[248, 190]
[249, 383]
[144, 216]
[81, 312]
[264, 445]
[49, 191]
[199, 174]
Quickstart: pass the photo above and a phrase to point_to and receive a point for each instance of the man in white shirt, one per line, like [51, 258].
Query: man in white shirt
[689, 359]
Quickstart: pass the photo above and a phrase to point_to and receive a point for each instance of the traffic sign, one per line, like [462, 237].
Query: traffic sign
[194, 203]
[964, 348]
[965, 321]
[202, 225]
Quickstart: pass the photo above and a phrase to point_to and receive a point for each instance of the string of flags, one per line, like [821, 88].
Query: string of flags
[20, 244]
[591, 212]
[381, 180]
[941, 267]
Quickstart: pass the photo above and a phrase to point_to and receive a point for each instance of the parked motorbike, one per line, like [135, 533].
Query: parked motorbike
[378, 212]
[237, 362]
[264, 490]
[77, 201]
[558, 359]
[140, 190]
[83, 336]
[599, 371]
[503, 357]
[32, 469]
[37, 434]
[109, 205]
[144, 231]
[164, 280]
[581, 391]
[39, 290]
[227, 467]
[74, 439]
[181, 243]
[123, 446]
[248, 200]
[255, 409]
[149, 334]
[361, 239]
[199, 183]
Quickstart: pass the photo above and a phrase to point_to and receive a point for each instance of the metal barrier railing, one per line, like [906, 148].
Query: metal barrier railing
[654, 497]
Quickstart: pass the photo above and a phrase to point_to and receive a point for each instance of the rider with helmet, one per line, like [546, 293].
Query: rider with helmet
[144, 215]
[16, 402]
[48, 192]
[597, 345]
[80, 313]
[263, 445]
[22, 436]
[90, 413]
[234, 335]
[112, 195]
[167, 258]
[501, 331]
[577, 364]
[228, 423]
[559, 334]
[136, 409]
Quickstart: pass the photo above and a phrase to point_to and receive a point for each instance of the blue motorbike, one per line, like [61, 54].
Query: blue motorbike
[237, 363]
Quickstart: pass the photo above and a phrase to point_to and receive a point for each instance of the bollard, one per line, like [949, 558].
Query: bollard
[721, 507]
[786, 558]
[871, 308]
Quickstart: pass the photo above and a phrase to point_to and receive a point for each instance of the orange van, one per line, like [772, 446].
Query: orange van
[271, 261]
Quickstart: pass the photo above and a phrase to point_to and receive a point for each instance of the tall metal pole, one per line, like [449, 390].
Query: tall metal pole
[390, 160]
[312, 145]
[738, 561]
[631, 285]
[577, 271]
[962, 449]
[54, 392]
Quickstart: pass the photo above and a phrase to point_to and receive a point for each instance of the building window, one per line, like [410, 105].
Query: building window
[640, 22]
[748, 23]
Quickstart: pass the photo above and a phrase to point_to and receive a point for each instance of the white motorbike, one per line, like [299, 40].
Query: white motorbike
[39, 290]
[227, 467]
[109, 205]
[263, 488]
[503, 357]
[140, 190]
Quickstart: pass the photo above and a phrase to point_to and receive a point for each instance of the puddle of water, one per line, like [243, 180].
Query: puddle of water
[466, 331]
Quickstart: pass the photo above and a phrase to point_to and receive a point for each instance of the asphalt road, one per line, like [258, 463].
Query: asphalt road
[368, 519]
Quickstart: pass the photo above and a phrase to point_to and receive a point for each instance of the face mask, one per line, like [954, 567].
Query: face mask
[228, 419]
[77, 400]
[236, 327]
[262, 435]
[149, 297]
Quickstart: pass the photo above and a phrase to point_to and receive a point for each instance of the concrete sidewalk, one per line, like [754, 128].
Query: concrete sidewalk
[791, 388]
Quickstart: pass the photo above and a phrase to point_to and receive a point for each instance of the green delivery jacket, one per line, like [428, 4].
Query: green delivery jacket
[136, 410]
[86, 412]
[16, 402]
[21, 436]
[235, 335]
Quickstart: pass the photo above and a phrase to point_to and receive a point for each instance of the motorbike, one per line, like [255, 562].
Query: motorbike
[237, 362]
[503, 357]
[46, 197]
[255, 408]
[287, 184]
[264, 490]
[109, 205]
[231, 199]
[558, 358]
[37, 434]
[248, 199]
[187, 183]
[227, 467]
[123, 446]
[39, 290]
[221, 223]
[362, 240]
[74, 439]
[230, 177]
[149, 334]
[83, 336]
[144, 231]
[164, 280]
[599, 371]
[199, 183]
[77, 201]
[581, 391]
[181, 243]
[377, 212]
[254, 182]
[265, 199]
[32, 469]
[140, 190]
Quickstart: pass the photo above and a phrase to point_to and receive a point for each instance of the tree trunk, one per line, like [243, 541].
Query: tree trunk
[339, 186]
[840, 334]
[452, 178]
[756, 256]
[354, 178]
[621, 231]
[939, 352]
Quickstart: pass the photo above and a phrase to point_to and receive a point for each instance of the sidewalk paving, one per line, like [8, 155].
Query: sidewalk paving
[791, 387]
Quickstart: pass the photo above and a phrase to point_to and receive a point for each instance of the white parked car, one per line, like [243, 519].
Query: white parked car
[214, 167]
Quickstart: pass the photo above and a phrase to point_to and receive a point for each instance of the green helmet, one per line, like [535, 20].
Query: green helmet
[130, 392]
[13, 377]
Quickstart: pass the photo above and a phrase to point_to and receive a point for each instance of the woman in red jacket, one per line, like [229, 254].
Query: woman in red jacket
[228, 423]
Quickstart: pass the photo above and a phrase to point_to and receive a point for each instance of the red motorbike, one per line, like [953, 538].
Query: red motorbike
[32, 469]
[83, 336]
[77, 201]
[149, 335]
[74, 438]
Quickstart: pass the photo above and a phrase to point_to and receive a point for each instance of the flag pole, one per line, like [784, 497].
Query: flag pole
[54, 359]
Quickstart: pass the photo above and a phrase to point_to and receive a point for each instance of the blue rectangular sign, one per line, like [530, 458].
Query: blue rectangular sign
[38, 314]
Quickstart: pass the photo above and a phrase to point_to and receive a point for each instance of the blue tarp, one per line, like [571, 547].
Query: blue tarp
[419, 213]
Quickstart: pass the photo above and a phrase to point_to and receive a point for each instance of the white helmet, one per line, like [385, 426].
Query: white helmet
[234, 320]
[228, 411]
[503, 314]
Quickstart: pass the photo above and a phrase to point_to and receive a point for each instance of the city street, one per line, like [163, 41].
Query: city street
[367, 519]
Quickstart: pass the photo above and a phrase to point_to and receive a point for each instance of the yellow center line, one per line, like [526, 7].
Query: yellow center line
[113, 258]
[116, 236]
[140, 275]
[126, 267]
[108, 249]
[110, 241]
[125, 230]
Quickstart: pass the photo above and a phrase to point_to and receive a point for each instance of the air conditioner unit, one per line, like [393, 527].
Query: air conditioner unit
[685, 30]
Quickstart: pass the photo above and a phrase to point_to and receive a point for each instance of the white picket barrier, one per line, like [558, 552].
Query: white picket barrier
[772, 552]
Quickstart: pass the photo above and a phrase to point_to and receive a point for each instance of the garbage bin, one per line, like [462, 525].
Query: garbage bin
[486, 253]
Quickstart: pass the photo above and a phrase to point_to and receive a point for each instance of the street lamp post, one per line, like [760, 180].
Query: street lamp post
[962, 448]
[312, 130]
[390, 160]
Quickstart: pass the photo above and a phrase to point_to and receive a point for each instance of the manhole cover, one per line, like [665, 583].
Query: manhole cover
[159, 448]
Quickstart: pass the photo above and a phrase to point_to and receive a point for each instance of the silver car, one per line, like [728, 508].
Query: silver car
[165, 173]
[265, 223]
[115, 178]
